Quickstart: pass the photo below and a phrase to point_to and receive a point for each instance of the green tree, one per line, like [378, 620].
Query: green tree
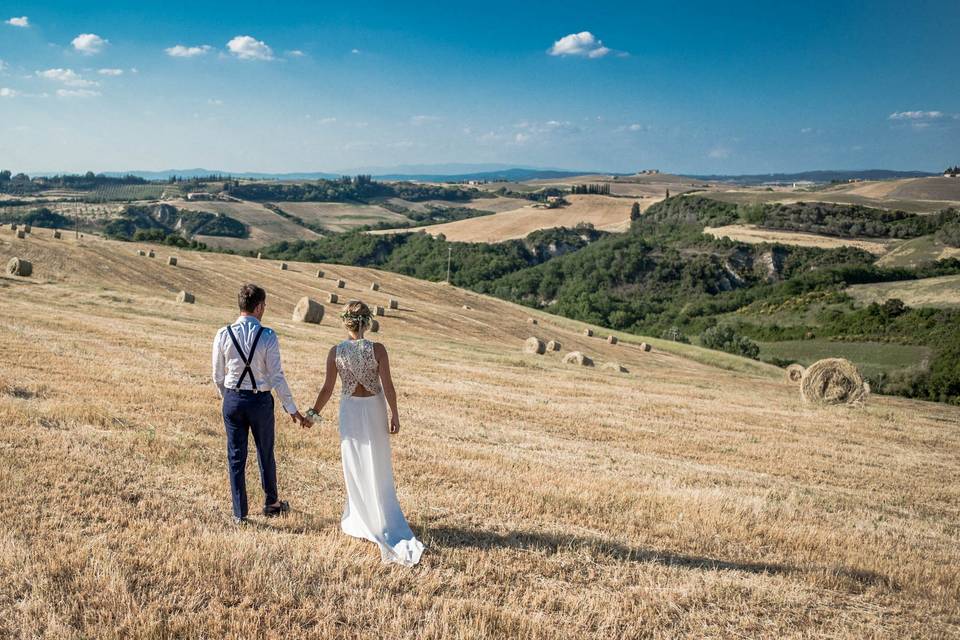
[635, 211]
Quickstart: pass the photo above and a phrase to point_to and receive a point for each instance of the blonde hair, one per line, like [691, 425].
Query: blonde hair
[356, 316]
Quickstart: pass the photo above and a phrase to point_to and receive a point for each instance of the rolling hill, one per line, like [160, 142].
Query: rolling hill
[676, 499]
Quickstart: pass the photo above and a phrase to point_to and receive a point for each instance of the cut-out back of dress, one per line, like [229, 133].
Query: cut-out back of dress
[357, 365]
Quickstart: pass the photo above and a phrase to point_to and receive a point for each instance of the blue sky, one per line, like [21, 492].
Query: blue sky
[685, 87]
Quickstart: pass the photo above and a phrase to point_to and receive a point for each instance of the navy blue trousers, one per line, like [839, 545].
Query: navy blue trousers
[246, 412]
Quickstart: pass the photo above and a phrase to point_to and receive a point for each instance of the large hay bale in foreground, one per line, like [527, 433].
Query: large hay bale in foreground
[534, 345]
[172, 261]
[374, 326]
[554, 345]
[19, 267]
[588, 332]
[341, 284]
[575, 357]
[374, 286]
[283, 266]
[185, 298]
[308, 310]
[379, 311]
[333, 298]
[612, 339]
[795, 373]
[393, 304]
[833, 381]
[614, 366]
[644, 346]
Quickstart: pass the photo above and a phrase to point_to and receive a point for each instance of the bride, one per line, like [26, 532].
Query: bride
[372, 511]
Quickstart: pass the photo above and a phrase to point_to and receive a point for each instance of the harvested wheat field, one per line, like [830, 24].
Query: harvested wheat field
[265, 226]
[556, 501]
[943, 291]
[756, 235]
[340, 216]
[603, 212]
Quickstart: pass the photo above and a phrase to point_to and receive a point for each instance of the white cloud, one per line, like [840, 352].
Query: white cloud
[916, 115]
[110, 72]
[583, 44]
[215, 102]
[89, 43]
[77, 93]
[520, 138]
[183, 51]
[327, 120]
[420, 120]
[296, 53]
[806, 130]
[3, 66]
[8, 93]
[636, 127]
[355, 51]
[719, 153]
[68, 77]
[249, 48]
[22, 21]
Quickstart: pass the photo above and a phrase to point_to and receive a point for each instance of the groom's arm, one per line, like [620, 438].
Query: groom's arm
[218, 363]
[277, 380]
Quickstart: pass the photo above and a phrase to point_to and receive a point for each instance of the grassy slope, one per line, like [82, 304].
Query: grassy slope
[677, 500]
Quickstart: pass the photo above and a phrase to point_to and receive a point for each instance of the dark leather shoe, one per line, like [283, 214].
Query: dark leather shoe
[276, 510]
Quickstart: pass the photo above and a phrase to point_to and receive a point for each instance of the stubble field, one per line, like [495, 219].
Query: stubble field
[676, 500]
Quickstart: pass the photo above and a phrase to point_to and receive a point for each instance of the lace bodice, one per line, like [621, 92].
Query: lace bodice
[357, 364]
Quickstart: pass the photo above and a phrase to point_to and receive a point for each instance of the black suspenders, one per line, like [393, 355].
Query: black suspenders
[247, 359]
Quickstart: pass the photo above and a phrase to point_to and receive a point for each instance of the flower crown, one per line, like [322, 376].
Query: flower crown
[355, 317]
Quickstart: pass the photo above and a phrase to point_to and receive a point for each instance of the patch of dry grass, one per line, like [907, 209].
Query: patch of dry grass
[678, 500]
[756, 235]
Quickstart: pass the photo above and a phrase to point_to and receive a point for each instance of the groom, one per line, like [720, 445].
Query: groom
[246, 367]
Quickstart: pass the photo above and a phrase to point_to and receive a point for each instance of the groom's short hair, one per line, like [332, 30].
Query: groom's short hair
[250, 296]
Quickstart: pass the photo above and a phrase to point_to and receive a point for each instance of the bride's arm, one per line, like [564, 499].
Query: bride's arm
[388, 391]
[329, 381]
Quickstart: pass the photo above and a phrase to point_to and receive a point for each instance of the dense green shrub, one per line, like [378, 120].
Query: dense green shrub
[724, 338]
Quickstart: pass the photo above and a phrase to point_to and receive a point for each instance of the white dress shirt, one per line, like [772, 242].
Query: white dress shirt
[265, 365]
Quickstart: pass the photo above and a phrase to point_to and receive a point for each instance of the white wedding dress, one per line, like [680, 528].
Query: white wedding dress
[372, 511]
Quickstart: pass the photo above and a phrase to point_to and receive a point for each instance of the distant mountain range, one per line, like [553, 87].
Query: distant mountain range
[815, 176]
[423, 173]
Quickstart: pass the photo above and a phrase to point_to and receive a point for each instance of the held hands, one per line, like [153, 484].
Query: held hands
[394, 424]
[298, 418]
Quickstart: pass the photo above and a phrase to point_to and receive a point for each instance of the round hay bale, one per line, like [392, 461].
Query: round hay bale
[19, 267]
[644, 346]
[588, 332]
[832, 381]
[13, 226]
[185, 298]
[554, 345]
[393, 304]
[308, 310]
[612, 339]
[283, 266]
[374, 326]
[172, 261]
[333, 298]
[151, 254]
[534, 345]
[379, 311]
[614, 366]
[341, 284]
[575, 357]
[141, 252]
[467, 307]
[319, 273]
[259, 256]
[56, 235]
[21, 234]
[795, 373]
[28, 228]
[533, 321]
[374, 286]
